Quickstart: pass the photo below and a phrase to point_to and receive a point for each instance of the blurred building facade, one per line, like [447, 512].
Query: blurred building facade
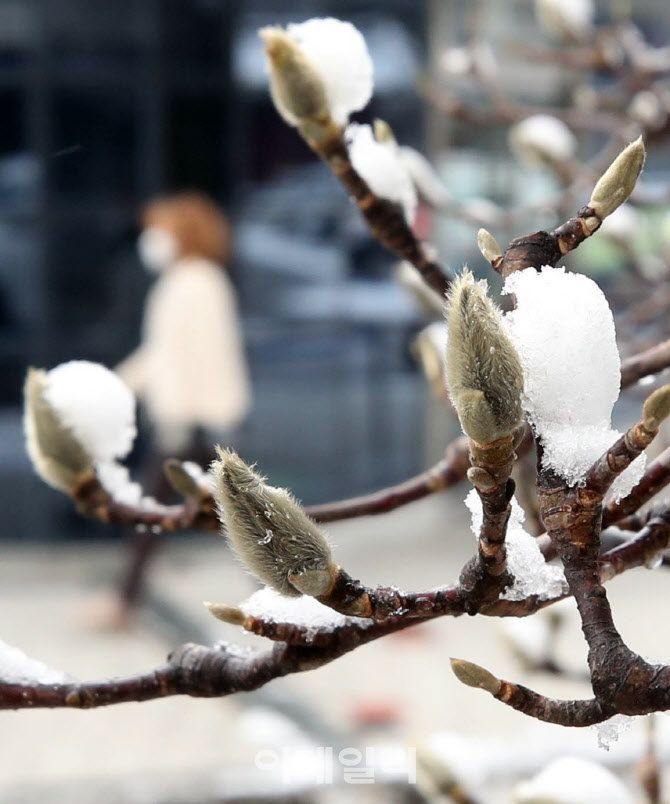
[107, 104]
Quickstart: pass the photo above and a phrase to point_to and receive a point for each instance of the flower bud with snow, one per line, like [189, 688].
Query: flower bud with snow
[78, 416]
[270, 532]
[484, 375]
[565, 20]
[318, 69]
[572, 780]
[542, 139]
[563, 330]
[381, 168]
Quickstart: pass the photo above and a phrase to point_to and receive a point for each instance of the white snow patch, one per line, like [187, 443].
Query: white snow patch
[572, 780]
[116, 479]
[541, 138]
[304, 611]
[380, 166]
[17, 668]
[532, 575]
[563, 330]
[96, 405]
[338, 51]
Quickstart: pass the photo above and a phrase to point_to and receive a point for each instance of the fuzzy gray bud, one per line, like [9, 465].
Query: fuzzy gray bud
[57, 456]
[269, 530]
[618, 181]
[296, 86]
[484, 374]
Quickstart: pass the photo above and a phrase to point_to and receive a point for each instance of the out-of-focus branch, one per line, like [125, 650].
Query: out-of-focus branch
[651, 361]
[94, 501]
[384, 218]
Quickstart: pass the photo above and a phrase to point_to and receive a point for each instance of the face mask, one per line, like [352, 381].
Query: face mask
[157, 249]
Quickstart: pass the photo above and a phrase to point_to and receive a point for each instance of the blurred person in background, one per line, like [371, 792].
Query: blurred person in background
[190, 371]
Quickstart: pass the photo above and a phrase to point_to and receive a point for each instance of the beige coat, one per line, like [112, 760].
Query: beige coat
[190, 368]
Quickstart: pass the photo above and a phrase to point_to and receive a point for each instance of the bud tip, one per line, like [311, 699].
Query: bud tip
[472, 675]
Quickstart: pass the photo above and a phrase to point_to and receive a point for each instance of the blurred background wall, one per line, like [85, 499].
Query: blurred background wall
[104, 105]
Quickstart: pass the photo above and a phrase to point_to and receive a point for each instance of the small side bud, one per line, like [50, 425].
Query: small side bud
[488, 245]
[481, 479]
[269, 530]
[472, 675]
[56, 454]
[656, 408]
[314, 582]
[618, 181]
[296, 86]
[180, 480]
[484, 374]
[383, 132]
[227, 614]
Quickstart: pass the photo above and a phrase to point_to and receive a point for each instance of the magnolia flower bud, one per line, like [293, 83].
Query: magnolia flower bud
[270, 532]
[320, 73]
[484, 375]
[296, 86]
[618, 181]
[57, 455]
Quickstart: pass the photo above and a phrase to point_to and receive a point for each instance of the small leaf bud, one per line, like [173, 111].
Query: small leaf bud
[618, 181]
[472, 675]
[656, 408]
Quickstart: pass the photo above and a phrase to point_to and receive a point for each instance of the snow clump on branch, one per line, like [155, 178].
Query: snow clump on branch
[79, 418]
[525, 562]
[563, 330]
[381, 168]
[17, 668]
